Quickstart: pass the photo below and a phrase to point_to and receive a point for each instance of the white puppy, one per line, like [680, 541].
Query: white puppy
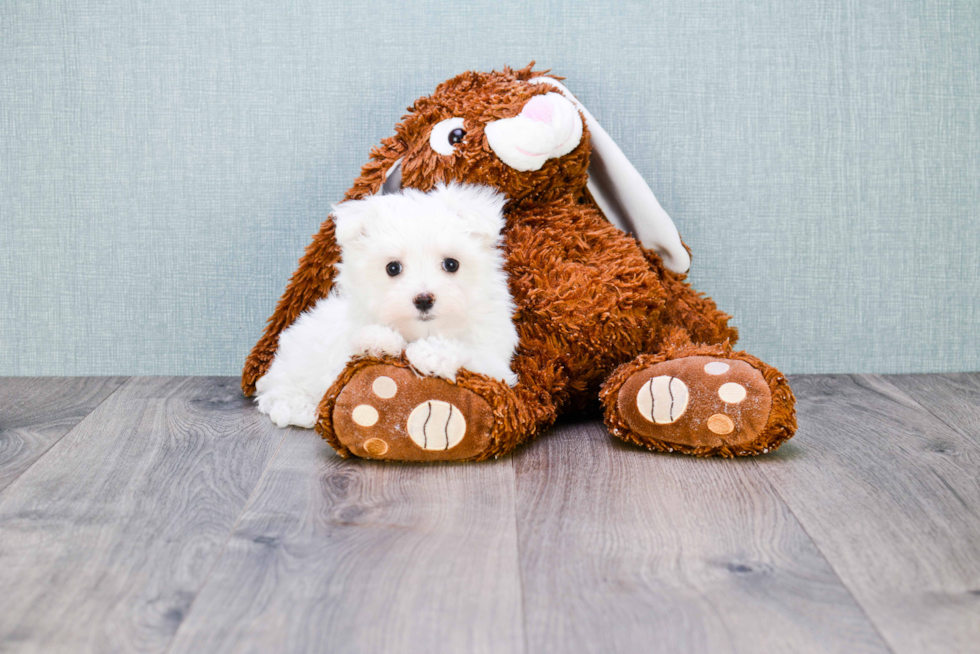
[421, 273]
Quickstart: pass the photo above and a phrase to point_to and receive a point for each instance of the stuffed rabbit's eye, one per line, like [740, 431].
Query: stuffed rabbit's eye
[394, 268]
[446, 134]
[450, 265]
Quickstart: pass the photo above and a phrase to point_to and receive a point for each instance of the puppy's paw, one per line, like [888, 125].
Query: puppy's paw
[436, 356]
[378, 340]
[289, 409]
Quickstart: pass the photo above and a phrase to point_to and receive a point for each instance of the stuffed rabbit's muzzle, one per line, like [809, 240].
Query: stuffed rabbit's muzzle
[548, 126]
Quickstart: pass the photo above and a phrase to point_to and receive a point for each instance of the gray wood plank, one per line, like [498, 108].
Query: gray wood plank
[625, 550]
[953, 398]
[106, 540]
[891, 496]
[360, 556]
[37, 411]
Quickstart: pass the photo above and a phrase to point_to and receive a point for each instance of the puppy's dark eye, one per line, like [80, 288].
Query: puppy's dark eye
[450, 265]
[393, 268]
[456, 136]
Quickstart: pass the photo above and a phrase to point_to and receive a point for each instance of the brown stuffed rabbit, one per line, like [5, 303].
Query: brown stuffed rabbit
[602, 314]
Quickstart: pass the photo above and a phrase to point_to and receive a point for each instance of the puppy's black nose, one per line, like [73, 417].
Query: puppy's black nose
[424, 301]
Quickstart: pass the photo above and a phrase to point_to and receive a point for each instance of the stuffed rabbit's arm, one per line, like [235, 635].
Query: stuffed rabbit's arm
[313, 279]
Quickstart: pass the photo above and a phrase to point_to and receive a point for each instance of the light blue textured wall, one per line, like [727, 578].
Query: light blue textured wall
[162, 164]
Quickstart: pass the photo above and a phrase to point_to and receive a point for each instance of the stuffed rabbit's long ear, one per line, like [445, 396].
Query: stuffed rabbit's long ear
[624, 196]
[393, 179]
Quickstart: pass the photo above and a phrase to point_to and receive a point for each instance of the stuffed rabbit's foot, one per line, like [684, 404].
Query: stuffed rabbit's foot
[387, 411]
[716, 403]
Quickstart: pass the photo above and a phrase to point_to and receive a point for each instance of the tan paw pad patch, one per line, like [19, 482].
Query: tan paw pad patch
[389, 412]
[436, 425]
[698, 401]
[384, 387]
[716, 368]
[662, 399]
[365, 415]
[375, 446]
[721, 424]
[732, 393]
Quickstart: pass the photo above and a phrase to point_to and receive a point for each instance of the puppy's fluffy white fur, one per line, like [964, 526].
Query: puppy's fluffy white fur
[469, 325]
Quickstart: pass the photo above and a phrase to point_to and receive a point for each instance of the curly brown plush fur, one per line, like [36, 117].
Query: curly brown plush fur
[779, 428]
[513, 419]
[590, 299]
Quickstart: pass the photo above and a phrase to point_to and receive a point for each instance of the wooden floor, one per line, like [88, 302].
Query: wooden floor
[168, 515]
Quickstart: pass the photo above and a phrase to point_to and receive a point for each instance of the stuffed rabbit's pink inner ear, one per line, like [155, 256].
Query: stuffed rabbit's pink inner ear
[623, 195]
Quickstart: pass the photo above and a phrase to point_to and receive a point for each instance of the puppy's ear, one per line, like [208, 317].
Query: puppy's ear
[482, 207]
[350, 219]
